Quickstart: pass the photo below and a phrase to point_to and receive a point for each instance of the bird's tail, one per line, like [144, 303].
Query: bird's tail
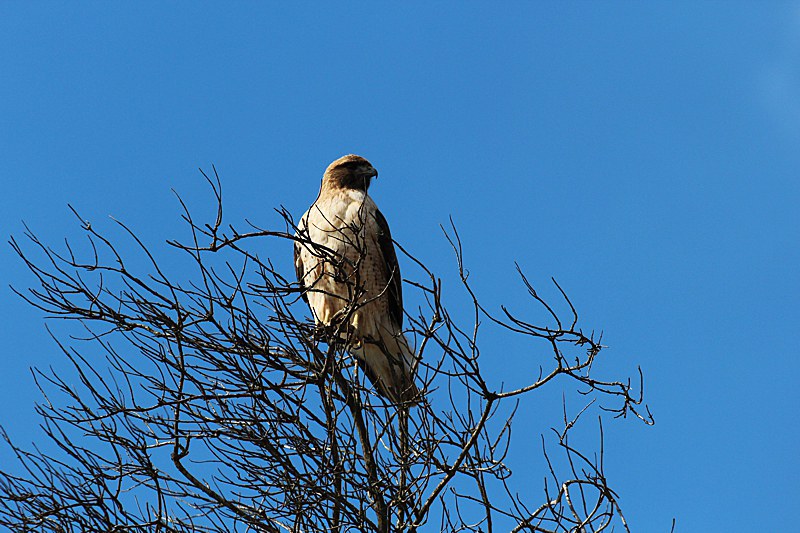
[388, 363]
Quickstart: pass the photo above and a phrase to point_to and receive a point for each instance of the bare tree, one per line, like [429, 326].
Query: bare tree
[220, 407]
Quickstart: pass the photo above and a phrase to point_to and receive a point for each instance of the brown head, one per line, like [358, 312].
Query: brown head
[349, 172]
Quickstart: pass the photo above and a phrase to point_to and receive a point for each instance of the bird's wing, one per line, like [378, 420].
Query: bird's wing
[299, 269]
[391, 269]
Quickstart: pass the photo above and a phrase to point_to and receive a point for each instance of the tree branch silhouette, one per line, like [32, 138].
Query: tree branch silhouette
[217, 405]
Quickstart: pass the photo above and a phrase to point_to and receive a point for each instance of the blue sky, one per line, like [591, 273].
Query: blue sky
[646, 155]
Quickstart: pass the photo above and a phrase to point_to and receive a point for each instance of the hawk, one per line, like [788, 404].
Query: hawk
[347, 269]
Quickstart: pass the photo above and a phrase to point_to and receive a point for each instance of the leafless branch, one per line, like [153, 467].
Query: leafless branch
[210, 402]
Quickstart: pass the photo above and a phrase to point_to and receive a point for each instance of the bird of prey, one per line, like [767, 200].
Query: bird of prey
[347, 269]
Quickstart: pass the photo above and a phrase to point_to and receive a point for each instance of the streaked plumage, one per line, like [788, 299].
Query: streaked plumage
[345, 221]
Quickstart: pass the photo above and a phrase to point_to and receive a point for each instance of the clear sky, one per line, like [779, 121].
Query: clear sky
[646, 155]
